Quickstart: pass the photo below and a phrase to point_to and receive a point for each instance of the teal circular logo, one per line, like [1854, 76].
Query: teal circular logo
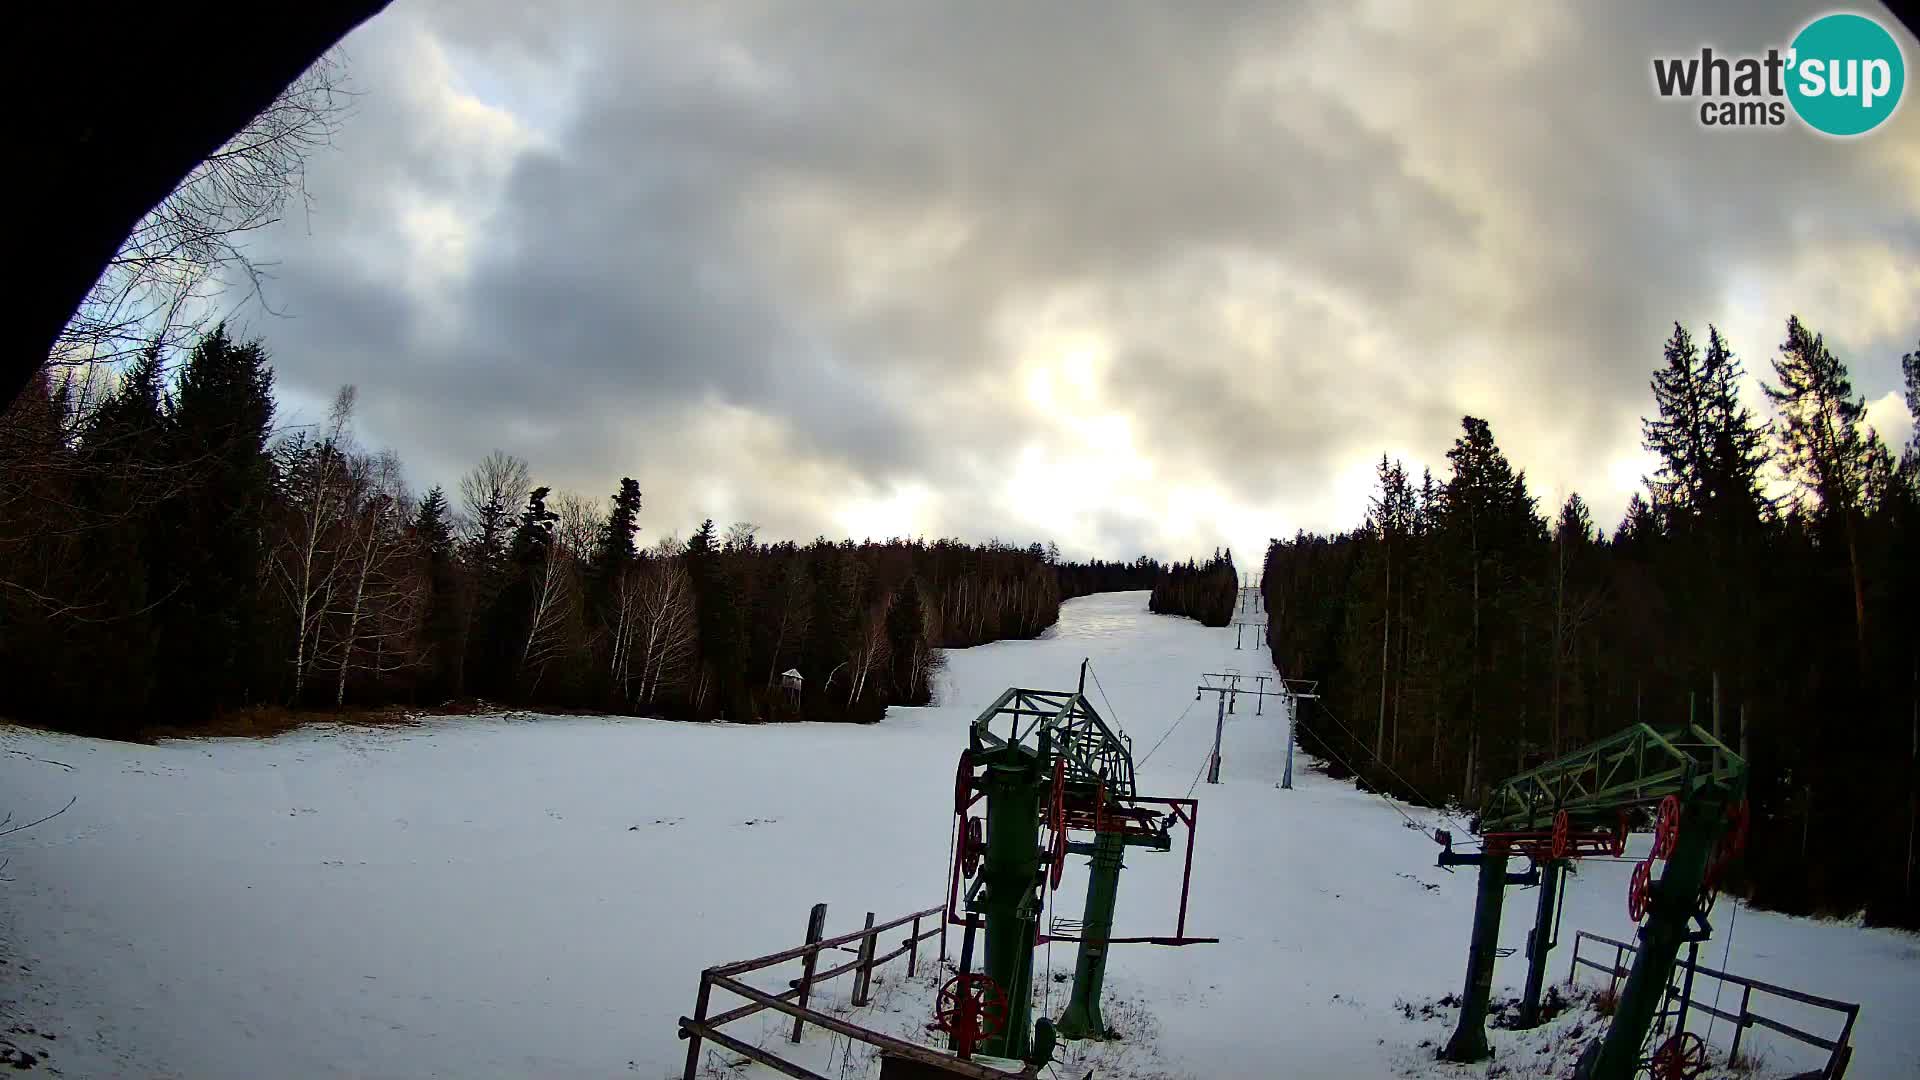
[1845, 74]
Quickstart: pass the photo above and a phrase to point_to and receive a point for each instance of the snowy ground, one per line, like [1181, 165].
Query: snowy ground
[528, 896]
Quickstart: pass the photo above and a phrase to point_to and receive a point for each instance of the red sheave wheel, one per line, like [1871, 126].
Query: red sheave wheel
[1562, 827]
[1057, 854]
[1682, 1057]
[963, 784]
[1666, 827]
[1739, 819]
[973, 844]
[971, 1007]
[1638, 889]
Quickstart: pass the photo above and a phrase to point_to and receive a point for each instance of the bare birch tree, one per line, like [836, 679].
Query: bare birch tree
[378, 592]
[666, 631]
[552, 609]
[577, 529]
[304, 561]
[871, 650]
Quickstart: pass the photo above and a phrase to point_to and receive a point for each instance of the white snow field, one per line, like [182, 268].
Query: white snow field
[536, 896]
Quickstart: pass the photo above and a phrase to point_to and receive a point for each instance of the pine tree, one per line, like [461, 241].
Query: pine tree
[443, 652]
[1825, 451]
[122, 442]
[1639, 527]
[907, 644]
[214, 551]
[722, 627]
[1910, 367]
[1679, 433]
[615, 551]
[1492, 532]
[1736, 449]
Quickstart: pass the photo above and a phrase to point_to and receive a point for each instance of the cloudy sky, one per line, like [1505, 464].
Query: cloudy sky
[1129, 277]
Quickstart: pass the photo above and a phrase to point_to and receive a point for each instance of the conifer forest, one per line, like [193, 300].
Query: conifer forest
[168, 536]
[1767, 587]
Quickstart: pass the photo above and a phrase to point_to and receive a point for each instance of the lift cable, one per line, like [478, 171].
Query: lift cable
[1163, 736]
[1437, 808]
[1112, 713]
[1202, 772]
[1726, 955]
[1390, 800]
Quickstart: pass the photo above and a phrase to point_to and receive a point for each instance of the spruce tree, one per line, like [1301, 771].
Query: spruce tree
[1679, 433]
[722, 626]
[907, 644]
[1825, 449]
[213, 548]
[1910, 368]
[443, 625]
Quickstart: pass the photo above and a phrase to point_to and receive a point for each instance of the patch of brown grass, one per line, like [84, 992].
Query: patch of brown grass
[266, 721]
[1605, 1001]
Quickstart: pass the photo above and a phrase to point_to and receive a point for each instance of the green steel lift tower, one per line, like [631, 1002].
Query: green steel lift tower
[1580, 805]
[1043, 759]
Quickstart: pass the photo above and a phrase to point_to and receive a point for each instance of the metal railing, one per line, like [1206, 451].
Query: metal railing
[1839, 1049]
[793, 1001]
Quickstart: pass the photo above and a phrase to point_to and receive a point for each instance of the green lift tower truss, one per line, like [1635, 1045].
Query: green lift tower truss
[1583, 804]
[1043, 759]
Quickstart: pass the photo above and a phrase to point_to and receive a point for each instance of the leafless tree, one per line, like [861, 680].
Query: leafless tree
[666, 633]
[304, 560]
[554, 604]
[379, 596]
[577, 529]
[740, 536]
[871, 651]
[157, 289]
[490, 495]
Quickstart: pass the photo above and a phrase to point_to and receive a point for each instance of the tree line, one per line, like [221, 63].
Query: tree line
[1206, 592]
[167, 555]
[1765, 585]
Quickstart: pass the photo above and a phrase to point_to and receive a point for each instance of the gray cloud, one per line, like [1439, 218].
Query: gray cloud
[1129, 276]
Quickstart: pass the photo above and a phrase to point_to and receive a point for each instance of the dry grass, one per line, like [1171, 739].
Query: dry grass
[1605, 1001]
[266, 721]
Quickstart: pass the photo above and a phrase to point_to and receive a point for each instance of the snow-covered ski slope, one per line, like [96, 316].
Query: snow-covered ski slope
[535, 896]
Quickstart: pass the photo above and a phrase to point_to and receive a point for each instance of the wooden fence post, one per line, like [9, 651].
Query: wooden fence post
[863, 975]
[816, 929]
[699, 1016]
[913, 948]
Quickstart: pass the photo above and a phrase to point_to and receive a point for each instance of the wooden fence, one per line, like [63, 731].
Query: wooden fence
[1839, 1050]
[864, 943]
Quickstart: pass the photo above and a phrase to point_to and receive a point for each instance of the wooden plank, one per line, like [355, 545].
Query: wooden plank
[816, 924]
[913, 948]
[699, 1010]
[863, 978]
[749, 1008]
[798, 951]
[972, 1070]
[747, 1050]
[1788, 1029]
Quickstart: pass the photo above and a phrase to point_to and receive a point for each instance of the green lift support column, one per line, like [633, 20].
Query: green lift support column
[1082, 1019]
[1469, 1042]
[1540, 941]
[1011, 869]
[1670, 906]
